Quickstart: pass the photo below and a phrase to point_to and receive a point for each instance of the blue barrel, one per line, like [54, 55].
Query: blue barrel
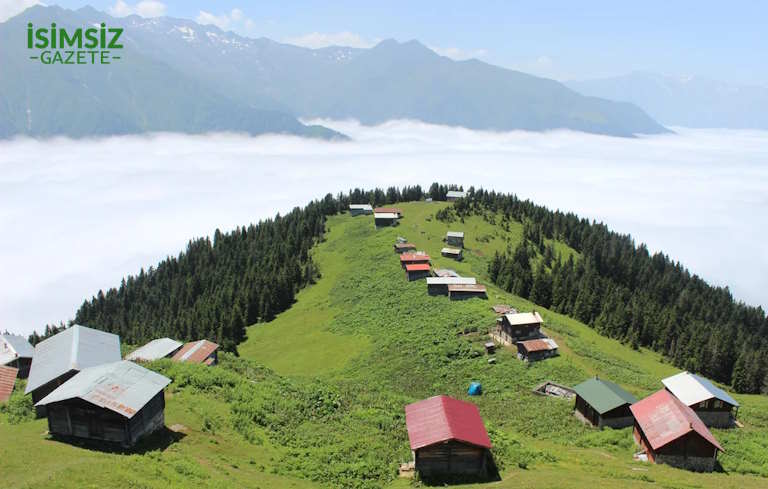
[475, 389]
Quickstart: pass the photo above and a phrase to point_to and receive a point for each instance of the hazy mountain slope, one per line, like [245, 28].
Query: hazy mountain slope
[195, 78]
[691, 101]
[138, 93]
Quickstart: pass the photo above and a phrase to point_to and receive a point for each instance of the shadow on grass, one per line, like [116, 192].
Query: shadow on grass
[159, 440]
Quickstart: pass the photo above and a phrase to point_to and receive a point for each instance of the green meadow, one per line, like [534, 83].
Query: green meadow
[316, 396]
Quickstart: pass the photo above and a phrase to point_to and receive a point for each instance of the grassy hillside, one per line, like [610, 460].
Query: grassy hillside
[316, 399]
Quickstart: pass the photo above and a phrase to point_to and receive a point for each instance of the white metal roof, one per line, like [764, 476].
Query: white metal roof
[122, 387]
[455, 234]
[445, 272]
[361, 207]
[451, 281]
[75, 348]
[456, 193]
[692, 389]
[385, 215]
[524, 318]
[452, 251]
[19, 345]
[159, 348]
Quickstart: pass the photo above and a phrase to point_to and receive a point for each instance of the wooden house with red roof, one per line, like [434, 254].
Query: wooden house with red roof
[416, 271]
[671, 433]
[448, 438]
[413, 258]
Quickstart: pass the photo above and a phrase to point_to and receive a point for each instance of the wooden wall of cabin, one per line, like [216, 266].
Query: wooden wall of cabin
[45, 389]
[451, 458]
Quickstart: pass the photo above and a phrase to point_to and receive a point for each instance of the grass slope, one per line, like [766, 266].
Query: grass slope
[327, 410]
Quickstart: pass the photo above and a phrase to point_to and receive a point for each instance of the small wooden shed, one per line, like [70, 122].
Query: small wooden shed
[603, 403]
[118, 403]
[389, 210]
[535, 350]
[455, 238]
[713, 405]
[514, 327]
[382, 219]
[16, 352]
[360, 209]
[439, 285]
[404, 247]
[413, 258]
[416, 271]
[447, 438]
[466, 291]
[454, 253]
[671, 433]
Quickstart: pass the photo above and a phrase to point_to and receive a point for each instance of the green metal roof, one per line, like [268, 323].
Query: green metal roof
[603, 395]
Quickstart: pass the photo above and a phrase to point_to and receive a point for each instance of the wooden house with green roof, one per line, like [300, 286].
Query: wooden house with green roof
[603, 403]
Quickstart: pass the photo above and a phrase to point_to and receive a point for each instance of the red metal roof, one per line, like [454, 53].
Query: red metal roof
[413, 257]
[664, 419]
[537, 345]
[7, 380]
[442, 418]
[417, 267]
[196, 351]
[392, 210]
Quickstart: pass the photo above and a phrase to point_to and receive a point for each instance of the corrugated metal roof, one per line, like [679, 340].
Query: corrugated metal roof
[385, 215]
[445, 272]
[664, 419]
[7, 381]
[155, 349]
[543, 344]
[443, 418]
[195, 351]
[451, 280]
[361, 207]
[417, 267]
[451, 251]
[521, 318]
[75, 348]
[477, 288]
[392, 210]
[455, 234]
[692, 389]
[603, 395]
[407, 246]
[19, 345]
[456, 194]
[414, 257]
[504, 309]
[122, 387]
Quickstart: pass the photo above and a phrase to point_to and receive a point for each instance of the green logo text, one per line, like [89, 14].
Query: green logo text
[92, 45]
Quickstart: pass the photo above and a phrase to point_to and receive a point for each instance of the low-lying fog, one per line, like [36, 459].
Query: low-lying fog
[77, 216]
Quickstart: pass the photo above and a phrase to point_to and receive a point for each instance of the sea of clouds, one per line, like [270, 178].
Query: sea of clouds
[78, 215]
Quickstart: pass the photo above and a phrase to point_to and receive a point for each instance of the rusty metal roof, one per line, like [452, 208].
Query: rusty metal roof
[477, 288]
[417, 267]
[195, 351]
[543, 344]
[414, 257]
[122, 387]
[442, 418]
[664, 419]
[405, 246]
[388, 210]
[75, 348]
[445, 272]
[155, 349]
[7, 381]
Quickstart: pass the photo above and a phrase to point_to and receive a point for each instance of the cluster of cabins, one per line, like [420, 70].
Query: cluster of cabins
[671, 425]
[78, 380]
[523, 330]
[382, 216]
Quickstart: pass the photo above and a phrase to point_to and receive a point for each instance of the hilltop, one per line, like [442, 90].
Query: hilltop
[316, 397]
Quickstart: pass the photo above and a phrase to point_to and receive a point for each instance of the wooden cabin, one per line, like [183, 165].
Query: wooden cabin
[535, 350]
[671, 433]
[454, 238]
[202, 351]
[413, 258]
[7, 382]
[58, 358]
[118, 403]
[454, 253]
[404, 247]
[389, 210]
[466, 291]
[514, 327]
[416, 271]
[360, 209]
[453, 195]
[16, 352]
[603, 403]
[714, 406]
[155, 350]
[448, 438]
[439, 285]
[382, 219]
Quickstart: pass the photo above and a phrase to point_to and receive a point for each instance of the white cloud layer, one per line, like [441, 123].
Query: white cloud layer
[316, 40]
[12, 8]
[234, 20]
[144, 8]
[79, 215]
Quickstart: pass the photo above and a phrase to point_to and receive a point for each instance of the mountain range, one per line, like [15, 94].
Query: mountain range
[685, 101]
[178, 75]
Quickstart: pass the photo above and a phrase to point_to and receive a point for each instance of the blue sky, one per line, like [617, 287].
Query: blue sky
[560, 39]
